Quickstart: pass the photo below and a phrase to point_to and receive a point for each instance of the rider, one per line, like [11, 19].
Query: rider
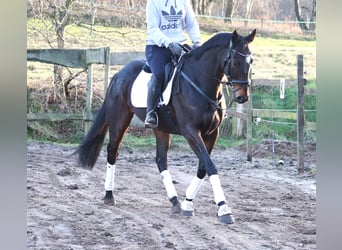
[167, 22]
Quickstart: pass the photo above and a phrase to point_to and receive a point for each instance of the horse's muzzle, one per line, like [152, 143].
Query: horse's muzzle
[241, 99]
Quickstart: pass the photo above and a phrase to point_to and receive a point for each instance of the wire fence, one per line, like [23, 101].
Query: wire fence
[134, 16]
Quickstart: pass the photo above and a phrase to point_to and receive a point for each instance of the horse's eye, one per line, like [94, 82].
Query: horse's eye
[249, 59]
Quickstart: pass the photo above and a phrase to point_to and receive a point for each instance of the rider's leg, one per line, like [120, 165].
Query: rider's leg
[157, 57]
[154, 92]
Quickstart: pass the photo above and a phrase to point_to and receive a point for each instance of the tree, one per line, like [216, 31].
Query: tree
[202, 7]
[249, 7]
[300, 18]
[228, 13]
[58, 14]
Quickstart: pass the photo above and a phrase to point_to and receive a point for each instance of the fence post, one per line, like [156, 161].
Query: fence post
[107, 70]
[250, 123]
[300, 115]
[89, 89]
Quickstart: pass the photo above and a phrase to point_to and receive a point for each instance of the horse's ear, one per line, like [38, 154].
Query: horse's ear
[234, 37]
[251, 36]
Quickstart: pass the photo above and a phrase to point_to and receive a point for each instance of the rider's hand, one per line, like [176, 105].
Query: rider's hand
[175, 49]
[195, 45]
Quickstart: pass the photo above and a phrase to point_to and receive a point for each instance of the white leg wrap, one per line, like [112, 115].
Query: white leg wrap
[224, 210]
[193, 188]
[217, 188]
[167, 180]
[110, 174]
[187, 205]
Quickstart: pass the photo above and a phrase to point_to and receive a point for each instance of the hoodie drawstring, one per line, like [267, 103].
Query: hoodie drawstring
[173, 1]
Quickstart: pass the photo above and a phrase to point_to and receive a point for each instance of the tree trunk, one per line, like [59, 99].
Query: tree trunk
[313, 16]
[249, 7]
[202, 7]
[61, 18]
[299, 16]
[229, 10]
[58, 70]
[194, 6]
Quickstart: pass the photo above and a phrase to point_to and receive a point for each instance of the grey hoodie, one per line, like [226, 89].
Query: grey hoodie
[167, 21]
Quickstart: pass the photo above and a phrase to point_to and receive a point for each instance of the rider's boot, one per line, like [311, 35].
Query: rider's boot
[154, 91]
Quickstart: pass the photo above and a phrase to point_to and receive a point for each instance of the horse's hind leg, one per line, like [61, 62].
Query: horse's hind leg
[163, 145]
[118, 124]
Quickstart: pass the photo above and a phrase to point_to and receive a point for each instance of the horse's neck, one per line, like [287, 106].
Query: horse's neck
[208, 71]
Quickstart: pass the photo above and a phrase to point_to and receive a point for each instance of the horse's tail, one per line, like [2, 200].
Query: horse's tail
[91, 146]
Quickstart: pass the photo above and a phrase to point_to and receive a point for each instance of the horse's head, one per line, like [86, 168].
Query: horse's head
[237, 65]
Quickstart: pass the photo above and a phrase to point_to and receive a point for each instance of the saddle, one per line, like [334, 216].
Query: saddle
[140, 88]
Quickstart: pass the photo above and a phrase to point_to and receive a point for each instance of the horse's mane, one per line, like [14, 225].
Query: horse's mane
[220, 39]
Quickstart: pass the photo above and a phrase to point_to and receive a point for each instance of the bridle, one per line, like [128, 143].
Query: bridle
[230, 83]
[227, 67]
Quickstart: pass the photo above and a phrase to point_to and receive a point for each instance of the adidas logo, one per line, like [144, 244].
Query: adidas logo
[172, 18]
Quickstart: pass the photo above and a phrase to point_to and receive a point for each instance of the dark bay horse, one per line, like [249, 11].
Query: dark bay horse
[195, 109]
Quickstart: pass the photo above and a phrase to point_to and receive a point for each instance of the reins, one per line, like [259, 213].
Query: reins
[214, 103]
[228, 84]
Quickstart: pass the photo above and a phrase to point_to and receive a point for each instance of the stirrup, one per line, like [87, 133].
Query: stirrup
[149, 124]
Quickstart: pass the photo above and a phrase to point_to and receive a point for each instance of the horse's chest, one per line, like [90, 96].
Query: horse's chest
[211, 121]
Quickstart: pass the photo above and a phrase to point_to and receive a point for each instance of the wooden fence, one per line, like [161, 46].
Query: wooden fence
[79, 58]
[86, 58]
[298, 115]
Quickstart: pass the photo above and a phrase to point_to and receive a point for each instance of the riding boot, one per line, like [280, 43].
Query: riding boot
[154, 91]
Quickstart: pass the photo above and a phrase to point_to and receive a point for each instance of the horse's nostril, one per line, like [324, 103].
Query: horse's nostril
[241, 99]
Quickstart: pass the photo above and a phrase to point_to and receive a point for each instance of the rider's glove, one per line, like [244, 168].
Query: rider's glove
[175, 49]
[196, 45]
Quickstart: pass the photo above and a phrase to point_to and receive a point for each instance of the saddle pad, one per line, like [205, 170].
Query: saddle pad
[140, 88]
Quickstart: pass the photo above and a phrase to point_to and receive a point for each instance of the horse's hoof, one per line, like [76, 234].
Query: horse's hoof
[176, 209]
[109, 201]
[187, 208]
[175, 205]
[226, 219]
[225, 214]
[187, 213]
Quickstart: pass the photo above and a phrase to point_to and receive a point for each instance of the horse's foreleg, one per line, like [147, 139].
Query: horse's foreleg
[224, 212]
[202, 147]
[163, 145]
